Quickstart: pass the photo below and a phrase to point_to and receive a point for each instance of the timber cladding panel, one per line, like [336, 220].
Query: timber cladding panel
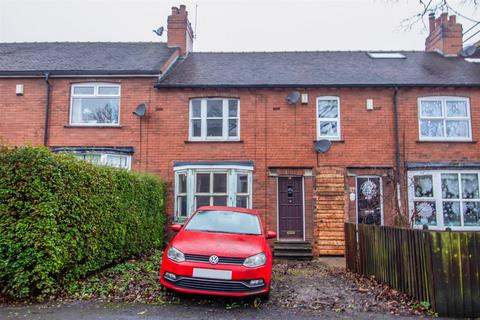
[330, 211]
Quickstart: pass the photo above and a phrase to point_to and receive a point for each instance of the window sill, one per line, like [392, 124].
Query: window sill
[213, 141]
[90, 126]
[446, 141]
[332, 141]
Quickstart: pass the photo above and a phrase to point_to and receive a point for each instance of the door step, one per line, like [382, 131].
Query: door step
[296, 250]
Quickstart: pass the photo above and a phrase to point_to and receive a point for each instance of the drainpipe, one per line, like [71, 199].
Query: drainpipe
[397, 149]
[47, 108]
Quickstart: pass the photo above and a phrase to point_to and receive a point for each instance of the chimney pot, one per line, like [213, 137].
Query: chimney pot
[445, 35]
[431, 22]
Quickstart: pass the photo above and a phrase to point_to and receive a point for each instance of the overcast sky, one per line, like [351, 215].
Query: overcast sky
[236, 25]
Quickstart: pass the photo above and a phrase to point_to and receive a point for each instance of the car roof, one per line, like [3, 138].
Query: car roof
[235, 209]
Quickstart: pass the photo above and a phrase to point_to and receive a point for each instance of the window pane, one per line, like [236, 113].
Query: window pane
[425, 213]
[242, 202]
[451, 213]
[431, 128]
[457, 128]
[202, 201]
[431, 109]
[328, 128]
[450, 188]
[232, 127]
[220, 201]
[242, 183]
[327, 108]
[423, 186]
[214, 127]
[196, 109]
[117, 161]
[197, 128]
[182, 206]
[92, 158]
[471, 214]
[232, 108]
[203, 182]
[457, 109]
[95, 110]
[219, 182]
[470, 186]
[108, 90]
[182, 183]
[214, 108]
[83, 90]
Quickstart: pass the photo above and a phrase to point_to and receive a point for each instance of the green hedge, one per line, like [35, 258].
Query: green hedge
[62, 218]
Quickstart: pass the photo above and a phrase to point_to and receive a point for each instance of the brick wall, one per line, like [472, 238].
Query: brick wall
[273, 133]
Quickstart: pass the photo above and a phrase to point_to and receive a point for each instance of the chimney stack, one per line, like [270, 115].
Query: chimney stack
[180, 33]
[445, 35]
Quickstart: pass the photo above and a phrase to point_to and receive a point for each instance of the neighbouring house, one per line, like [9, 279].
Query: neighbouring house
[382, 137]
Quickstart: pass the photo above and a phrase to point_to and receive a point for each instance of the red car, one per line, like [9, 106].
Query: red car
[219, 251]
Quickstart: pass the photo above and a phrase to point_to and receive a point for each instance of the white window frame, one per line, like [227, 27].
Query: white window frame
[443, 100]
[211, 194]
[318, 119]
[203, 118]
[104, 157]
[95, 94]
[438, 198]
[191, 170]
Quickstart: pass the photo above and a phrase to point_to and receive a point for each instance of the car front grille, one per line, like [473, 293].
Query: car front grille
[221, 260]
[214, 285]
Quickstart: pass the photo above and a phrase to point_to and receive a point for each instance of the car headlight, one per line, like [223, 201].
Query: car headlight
[255, 261]
[175, 255]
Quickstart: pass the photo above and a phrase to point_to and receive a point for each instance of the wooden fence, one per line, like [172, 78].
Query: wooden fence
[441, 267]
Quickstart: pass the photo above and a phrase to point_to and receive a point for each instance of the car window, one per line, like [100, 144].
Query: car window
[224, 222]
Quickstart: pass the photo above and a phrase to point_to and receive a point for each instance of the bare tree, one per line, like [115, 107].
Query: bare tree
[436, 7]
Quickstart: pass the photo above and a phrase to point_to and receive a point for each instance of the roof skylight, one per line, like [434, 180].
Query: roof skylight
[386, 55]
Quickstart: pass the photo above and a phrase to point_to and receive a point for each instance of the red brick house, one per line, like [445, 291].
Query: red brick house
[403, 127]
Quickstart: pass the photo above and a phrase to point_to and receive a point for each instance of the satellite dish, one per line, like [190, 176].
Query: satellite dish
[293, 97]
[159, 31]
[140, 110]
[323, 146]
[468, 51]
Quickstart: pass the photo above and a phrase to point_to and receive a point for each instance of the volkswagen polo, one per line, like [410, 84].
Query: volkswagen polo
[219, 251]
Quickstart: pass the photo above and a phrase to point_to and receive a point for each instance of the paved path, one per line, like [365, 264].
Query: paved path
[83, 310]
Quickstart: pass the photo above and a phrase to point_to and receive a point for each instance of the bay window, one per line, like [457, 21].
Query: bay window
[443, 199]
[444, 118]
[211, 185]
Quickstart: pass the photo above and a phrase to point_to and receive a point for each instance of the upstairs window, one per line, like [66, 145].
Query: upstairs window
[214, 119]
[95, 104]
[444, 118]
[328, 118]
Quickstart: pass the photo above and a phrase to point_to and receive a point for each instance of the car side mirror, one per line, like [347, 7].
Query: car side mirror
[271, 234]
[176, 227]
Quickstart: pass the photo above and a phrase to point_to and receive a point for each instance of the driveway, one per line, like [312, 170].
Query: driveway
[300, 290]
[88, 310]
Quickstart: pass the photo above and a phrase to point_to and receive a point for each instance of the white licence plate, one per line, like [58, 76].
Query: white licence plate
[212, 274]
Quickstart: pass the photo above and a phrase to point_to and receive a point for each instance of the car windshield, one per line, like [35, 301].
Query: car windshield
[224, 222]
